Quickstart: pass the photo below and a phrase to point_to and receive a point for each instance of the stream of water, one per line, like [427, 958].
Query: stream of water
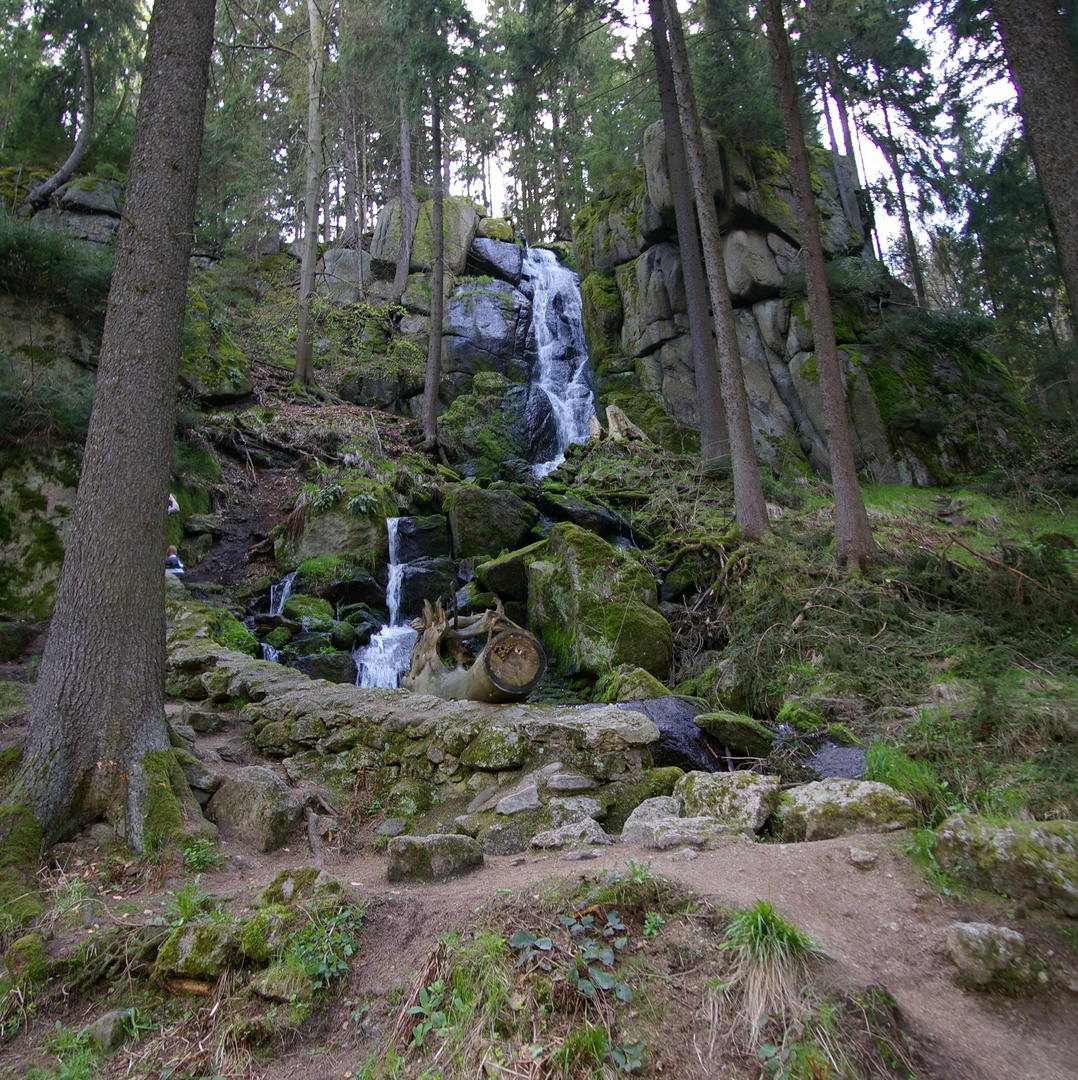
[560, 384]
[386, 658]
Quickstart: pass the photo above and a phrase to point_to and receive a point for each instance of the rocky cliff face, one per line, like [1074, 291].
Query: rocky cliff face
[923, 402]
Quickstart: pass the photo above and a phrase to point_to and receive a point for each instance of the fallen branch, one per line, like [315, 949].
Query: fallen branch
[997, 564]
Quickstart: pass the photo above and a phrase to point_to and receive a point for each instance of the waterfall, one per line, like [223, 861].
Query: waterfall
[385, 659]
[270, 653]
[560, 399]
[280, 593]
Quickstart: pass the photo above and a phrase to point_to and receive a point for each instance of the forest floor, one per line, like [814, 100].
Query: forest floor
[880, 931]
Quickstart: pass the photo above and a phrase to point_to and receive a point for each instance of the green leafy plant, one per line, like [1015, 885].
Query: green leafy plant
[430, 1009]
[652, 921]
[363, 505]
[328, 497]
[326, 944]
[628, 1057]
[201, 854]
[186, 905]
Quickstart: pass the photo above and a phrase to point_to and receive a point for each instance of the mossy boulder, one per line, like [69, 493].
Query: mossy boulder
[487, 522]
[740, 800]
[460, 221]
[486, 427]
[508, 575]
[203, 950]
[742, 735]
[829, 808]
[299, 885]
[430, 858]
[631, 684]
[595, 606]
[310, 610]
[255, 806]
[1014, 858]
[212, 365]
[358, 538]
[496, 749]
[990, 957]
[27, 960]
[284, 983]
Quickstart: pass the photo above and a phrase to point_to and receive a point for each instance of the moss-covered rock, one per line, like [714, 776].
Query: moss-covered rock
[1014, 858]
[487, 522]
[20, 849]
[212, 365]
[299, 885]
[829, 808]
[595, 606]
[630, 684]
[741, 800]
[743, 736]
[508, 575]
[309, 610]
[203, 950]
[284, 983]
[27, 960]
[233, 634]
[429, 858]
[267, 932]
[496, 749]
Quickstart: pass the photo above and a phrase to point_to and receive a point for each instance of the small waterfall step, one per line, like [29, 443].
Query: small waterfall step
[386, 657]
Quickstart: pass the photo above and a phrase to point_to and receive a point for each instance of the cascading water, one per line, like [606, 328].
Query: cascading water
[280, 593]
[560, 398]
[382, 662]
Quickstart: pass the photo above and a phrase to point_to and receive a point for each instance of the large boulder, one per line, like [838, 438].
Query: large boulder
[607, 233]
[742, 735]
[657, 168]
[649, 813]
[595, 606]
[652, 290]
[257, 807]
[338, 277]
[740, 800]
[508, 574]
[1013, 858]
[426, 579]
[459, 226]
[90, 197]
[829, 808]
[202, 951]
[334, 532]
[488, 521]
[429, 858]
[485, 329]
[495, 258]
[487, 427]
[422, 537]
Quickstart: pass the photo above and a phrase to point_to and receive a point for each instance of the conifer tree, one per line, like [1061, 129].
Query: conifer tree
[853, 534]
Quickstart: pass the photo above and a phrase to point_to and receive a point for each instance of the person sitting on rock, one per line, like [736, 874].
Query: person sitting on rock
[173, 565]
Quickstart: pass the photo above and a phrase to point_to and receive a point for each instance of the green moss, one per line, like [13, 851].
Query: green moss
[301, 606]
[161, 815]
[20, 849]
[622, 798]
[495, 749]
[27, 960]
[648, 411]
[232, 634]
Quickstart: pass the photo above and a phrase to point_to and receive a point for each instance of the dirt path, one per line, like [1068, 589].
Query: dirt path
[878, 928]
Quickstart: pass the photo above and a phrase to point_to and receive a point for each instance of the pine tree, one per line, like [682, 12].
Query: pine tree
[853, 534]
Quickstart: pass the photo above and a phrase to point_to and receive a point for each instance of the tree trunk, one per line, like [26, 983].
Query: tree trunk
[312, 190]
[437, 282]
[508, 668]
[1042, 65]
[714, 436]
[853, 535]
[40, 195]
[749, 505]
[97, 746]
[404, 251]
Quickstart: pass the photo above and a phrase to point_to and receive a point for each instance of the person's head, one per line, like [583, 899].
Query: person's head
[171, 549]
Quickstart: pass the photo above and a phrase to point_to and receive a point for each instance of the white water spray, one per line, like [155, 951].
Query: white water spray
[280, 593]
[383, 661]
[561, 366]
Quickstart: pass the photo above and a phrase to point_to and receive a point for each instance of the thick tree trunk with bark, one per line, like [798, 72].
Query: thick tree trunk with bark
[853, 535]
[749, 505]
[714, 436]
[40, 195]
[97, 746]
[508, 668]
[316, 61]
[437, 283]
[1043, 68]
